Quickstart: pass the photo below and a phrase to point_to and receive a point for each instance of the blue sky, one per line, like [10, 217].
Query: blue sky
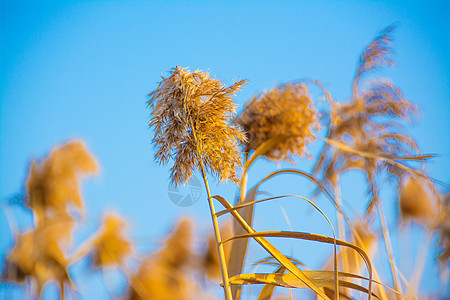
[82, 69]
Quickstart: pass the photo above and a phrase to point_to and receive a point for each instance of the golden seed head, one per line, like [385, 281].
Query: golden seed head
[165, 274]
[286, 111]
[111, 247]
[55, 183]
[417, 202]
[40, 253]
[177, 251]
[191, 113]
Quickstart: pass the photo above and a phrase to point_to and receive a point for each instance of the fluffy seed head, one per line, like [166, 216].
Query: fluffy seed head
[111, 247]
[40, 253]
[55, 183]
[285, 111]
[191, 113]
[165, 274]
[417, 202]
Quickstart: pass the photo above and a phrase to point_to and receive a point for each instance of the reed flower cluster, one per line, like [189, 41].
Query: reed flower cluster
[53, 191]
[41, 254]
[54, 184]
[417, 202]
[287, 112]
[370, 123]
[164, 274]
[190, 116]
[111, 246]
[194, 122]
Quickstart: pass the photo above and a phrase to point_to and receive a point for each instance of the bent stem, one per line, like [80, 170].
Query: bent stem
[222, 260]
[387, 242]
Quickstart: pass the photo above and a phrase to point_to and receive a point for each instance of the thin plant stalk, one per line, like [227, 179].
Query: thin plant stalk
[381, 290]
[387, 242]
[341, 229]
[219, 244]
[341, 226]
[243, 188]
[236, 290]
[63, 291]
[420, 263]
[221, 252]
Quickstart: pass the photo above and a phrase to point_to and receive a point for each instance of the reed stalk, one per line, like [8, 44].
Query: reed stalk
[221, 252]
[389, 251]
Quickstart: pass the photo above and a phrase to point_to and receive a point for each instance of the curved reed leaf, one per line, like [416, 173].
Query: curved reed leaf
[267, 290]
[289, 280]
[311, 237]
[310, 202]
[239, 248]
[272, 250]
[264, 148]
[329, 274]
[274, 263]
[316, 181]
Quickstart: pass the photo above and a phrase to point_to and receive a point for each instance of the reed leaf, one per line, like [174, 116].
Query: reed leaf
[268, 289]
[311, 237]
[289, 280]
[251, 204]
[239, 248]
[272, 250]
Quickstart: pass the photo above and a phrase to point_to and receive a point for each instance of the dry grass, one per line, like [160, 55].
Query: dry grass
[287, 112]
[193, 118]
[190, 113]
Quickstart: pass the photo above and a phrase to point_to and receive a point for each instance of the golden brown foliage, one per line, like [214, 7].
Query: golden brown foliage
[191, 112]
[177, 251]
[161, 275]
[154, 281]
[444, 239]
[111, 247]
[54, 184]
[418, 203]
[53, 187]
[40, 253]
[377, 55]
[369, 122]
[363, 238]
[285, 111]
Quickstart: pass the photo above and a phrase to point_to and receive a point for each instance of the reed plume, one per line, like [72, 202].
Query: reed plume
[286, 111]
[191, 113]
[163, 275]
[369, 123]
[418, 203]
[111, 246]
[40, 254]
[54, 184]
[53, 190]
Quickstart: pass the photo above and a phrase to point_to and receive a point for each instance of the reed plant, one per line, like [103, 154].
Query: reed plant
[196, 129]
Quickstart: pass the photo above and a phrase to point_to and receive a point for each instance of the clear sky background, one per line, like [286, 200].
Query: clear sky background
[82, 69]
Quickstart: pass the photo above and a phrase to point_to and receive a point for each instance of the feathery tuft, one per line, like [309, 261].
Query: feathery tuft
[191, 113]
[285, 111]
